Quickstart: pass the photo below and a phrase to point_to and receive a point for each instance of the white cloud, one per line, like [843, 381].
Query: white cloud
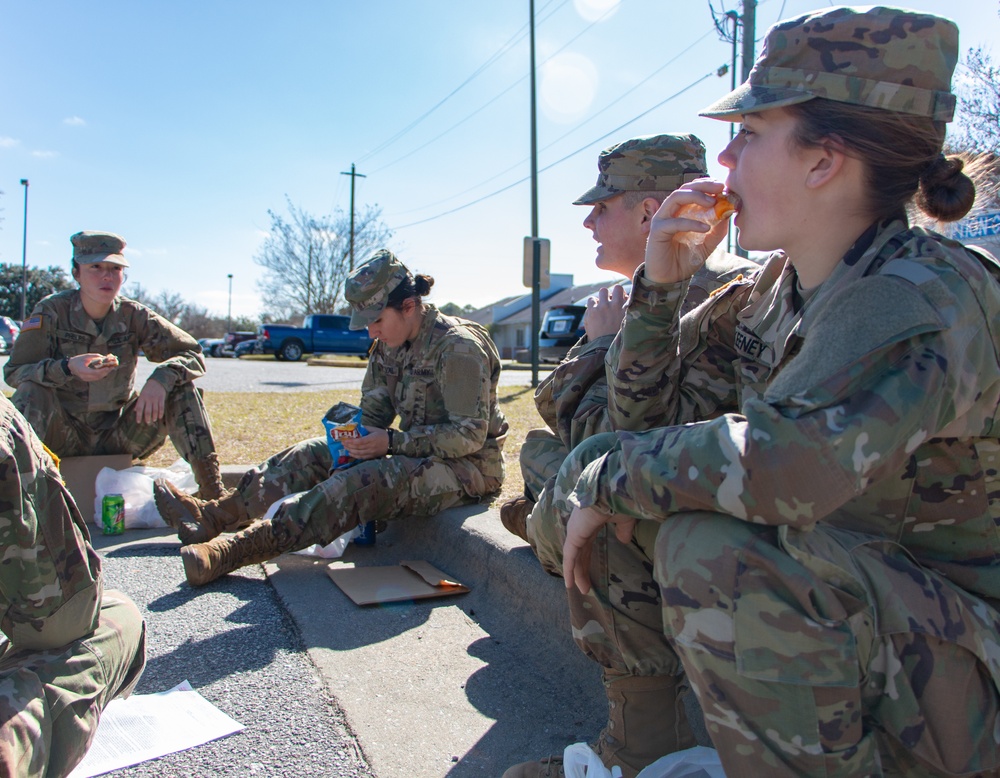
[45, 154]
[74, 121]
[592, 10]
[6, 143]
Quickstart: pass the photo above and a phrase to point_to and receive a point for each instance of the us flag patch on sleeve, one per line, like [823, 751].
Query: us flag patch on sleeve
[34, 323]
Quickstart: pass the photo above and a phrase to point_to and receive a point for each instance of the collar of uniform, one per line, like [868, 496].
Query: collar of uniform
[856, 263]
[426, 331]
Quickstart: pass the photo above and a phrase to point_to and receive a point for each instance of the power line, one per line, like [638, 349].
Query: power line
[560, 161]
[516, 38]
[496, 97]
[575, 129]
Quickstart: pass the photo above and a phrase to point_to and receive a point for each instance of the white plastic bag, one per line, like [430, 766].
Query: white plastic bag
[135, 485]
[333, 550]
[697, 762]
[580, 761]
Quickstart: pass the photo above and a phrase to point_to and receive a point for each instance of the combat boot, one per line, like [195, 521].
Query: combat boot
[204, 562]
[208, 476]
[198, 521]
[646, 720]
[514, 516]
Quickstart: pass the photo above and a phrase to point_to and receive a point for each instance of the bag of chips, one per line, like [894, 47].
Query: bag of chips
[343, 420]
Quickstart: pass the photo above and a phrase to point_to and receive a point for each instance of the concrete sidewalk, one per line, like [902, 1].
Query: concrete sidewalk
[458, 686]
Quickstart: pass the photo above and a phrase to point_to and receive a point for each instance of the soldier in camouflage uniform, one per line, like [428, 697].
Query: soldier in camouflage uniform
[79, 406]
[633, 179]
[827, 549]
[437, 373]
[71, 649]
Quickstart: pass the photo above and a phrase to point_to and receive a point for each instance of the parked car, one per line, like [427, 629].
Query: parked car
[9, 330]
[562, 326]
[232, 340]
[319, 334]
[211, 347]
[247, 347]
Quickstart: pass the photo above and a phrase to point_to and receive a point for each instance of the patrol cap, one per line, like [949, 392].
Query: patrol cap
[90, 247]
[875, 56]
[651, 163]
[367, 288]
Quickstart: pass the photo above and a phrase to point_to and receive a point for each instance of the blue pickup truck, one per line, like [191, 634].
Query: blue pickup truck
[319, 334]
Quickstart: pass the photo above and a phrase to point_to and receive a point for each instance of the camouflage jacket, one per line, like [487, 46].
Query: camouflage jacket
[573, 398]
[872, 407]
[443, 387]
[59, 327]
[50, 583]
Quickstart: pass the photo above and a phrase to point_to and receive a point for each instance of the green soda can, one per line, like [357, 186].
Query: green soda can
[113, 514]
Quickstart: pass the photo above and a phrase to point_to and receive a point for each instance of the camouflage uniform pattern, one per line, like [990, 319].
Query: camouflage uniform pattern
[849, 506]
[446, 452]
[80, 418]
[71, 650]
[649, 163]
[574, 400]
[845, 54]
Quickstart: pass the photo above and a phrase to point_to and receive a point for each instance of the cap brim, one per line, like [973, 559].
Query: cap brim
[114, 259]
[752, 99]
[595, 194]
[361, 319]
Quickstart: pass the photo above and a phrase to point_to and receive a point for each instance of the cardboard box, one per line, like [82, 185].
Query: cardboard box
[80, 475]
[409, 580]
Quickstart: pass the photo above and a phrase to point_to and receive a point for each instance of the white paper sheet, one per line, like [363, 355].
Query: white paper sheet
[147, 726]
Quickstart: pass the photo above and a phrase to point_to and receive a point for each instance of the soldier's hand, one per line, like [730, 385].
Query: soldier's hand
[151, 403]
[605, 312]
[371, 446]
[80, 366]
[582, 528]
[669, 261]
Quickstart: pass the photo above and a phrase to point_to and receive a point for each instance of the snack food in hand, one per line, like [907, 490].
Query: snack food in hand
[108, 360]
[725, 206]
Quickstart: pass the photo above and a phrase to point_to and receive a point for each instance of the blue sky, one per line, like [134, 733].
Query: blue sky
[179, 124]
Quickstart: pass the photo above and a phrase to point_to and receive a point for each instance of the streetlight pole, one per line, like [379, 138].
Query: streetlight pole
[229, 315]
[24, 254]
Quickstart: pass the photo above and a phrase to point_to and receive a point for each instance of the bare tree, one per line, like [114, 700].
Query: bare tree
[978, 117]
[307, 258]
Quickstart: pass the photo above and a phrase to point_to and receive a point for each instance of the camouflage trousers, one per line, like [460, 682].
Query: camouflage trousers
[50, 701]
[184, 420]
[619, 624]
[826, 652]
[387, 488]
[542, 453]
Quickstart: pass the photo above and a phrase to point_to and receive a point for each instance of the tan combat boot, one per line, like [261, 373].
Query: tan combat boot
[204, 562]
[197, 521]
[514, 516]
[208, 476]
[646, 720]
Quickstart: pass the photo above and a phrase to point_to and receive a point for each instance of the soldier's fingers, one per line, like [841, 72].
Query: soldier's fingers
[581, 570]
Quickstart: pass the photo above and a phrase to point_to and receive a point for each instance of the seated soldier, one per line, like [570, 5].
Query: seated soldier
[72, 648]
[73, 367]
[633, 179]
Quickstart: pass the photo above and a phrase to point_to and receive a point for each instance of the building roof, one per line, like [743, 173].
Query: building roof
[521, 314]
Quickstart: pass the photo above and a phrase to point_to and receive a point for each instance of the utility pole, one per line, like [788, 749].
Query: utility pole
[353, 175]
[536, 257]
[749, 32]
[24, 254]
